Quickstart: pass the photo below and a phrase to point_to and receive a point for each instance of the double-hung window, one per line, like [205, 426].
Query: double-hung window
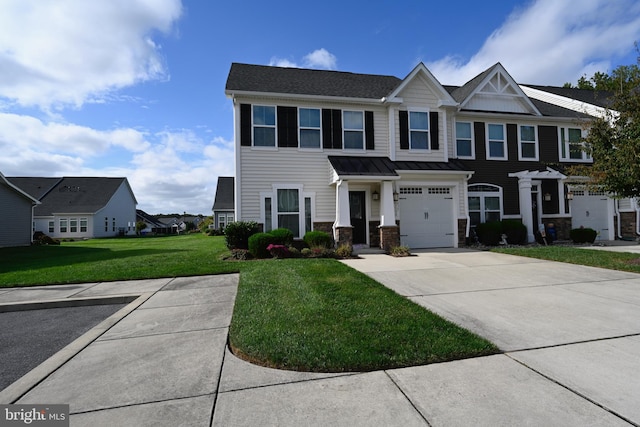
[528, 149]
[73, 225]
[496, 142]
[51, 226]
[419, 130]
[485, 201]
[464, 141]
[288, 207]
[353, 129]
[309, 124]
[63, 225]
[264, 126]
[571, 146]
[83, 225]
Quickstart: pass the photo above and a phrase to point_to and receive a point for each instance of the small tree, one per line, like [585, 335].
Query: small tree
[140, 225]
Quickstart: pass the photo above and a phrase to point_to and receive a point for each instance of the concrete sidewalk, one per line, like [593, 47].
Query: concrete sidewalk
[572, 336]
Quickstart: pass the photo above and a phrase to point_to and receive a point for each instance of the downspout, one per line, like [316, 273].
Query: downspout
[635, 201]
[616, 207]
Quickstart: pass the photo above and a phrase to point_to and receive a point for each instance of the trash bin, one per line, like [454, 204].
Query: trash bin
[551, 232]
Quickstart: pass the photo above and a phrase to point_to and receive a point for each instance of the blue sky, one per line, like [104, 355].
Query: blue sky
[135, 88]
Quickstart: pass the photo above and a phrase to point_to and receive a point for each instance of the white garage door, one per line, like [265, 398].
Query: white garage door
[590, 209]
[426, 217]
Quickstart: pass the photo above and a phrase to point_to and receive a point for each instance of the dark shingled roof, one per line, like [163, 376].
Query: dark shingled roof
[69, 194]
[383, 166]
[600, 98]
[260, 78]
[36, 187]
[225, 198]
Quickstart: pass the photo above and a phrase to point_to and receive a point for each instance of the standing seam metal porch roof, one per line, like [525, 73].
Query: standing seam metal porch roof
[383, 166]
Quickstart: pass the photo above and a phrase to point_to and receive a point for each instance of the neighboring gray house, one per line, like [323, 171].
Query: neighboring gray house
[153, 224]
[223, 205]
[81, 207]
[16, 215]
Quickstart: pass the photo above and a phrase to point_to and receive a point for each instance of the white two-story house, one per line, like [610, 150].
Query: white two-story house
[382, 161]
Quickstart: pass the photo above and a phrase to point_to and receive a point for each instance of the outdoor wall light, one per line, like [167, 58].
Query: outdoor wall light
[375, 195]
[396, 196]
[570, 195]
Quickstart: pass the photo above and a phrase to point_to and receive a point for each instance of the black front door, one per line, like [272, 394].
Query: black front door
[358, 216]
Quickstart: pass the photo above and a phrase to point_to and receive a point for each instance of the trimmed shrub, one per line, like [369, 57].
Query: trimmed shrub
[400, 251]
[283, 236]
[344, 251]
[258, 244]
[318, 239]
[278, 251]
[515, 230]
[489, 233]
[583, 235]
[236, 234]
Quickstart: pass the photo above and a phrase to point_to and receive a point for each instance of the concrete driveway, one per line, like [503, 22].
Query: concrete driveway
[577, 327]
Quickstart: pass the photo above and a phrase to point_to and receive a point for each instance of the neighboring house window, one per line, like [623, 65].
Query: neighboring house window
[528, 142]
[63, 225]
[418, 130]
[309, 123]
[73, 225]
[230, 218]
[571, 146]
[464, 141]
[106, 224]
[496, 142]
[222, 223]
[353, 128]
[485, 203]
[113, 224]
[52, 225]
[264, 126]
[83, 225]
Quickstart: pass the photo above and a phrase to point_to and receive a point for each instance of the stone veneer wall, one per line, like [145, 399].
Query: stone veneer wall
[344, 236]
[462, 231]
[374, 234]
[627, 224]
[562, 226]
[389, 237]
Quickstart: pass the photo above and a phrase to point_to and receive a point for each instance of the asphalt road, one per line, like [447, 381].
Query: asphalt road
[28, 338]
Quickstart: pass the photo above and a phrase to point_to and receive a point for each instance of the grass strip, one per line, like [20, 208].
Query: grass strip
[623, 261]
[319, 315]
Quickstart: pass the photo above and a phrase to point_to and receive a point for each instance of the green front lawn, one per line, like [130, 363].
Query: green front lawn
[298, 314]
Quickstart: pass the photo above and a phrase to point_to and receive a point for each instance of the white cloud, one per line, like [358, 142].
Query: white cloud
[68, 52]
[319, 58]
[552, 42]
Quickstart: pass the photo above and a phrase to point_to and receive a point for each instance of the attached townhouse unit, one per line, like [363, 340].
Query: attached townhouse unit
[382, 161]
[80, 207]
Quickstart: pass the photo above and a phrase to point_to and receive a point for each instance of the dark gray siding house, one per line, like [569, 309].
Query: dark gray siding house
[16, 215]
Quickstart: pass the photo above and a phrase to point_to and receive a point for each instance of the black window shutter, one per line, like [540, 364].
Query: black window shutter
[245, 125]
[404, 129]
[287, 127]
[368, 130]
[336, 120]
[433, 129]
[327, 133]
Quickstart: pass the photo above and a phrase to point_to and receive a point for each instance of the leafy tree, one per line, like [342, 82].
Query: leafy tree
[614, 140]
[140, 225]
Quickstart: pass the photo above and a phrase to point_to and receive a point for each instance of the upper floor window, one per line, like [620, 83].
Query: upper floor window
[528, 143]
[418, 130]
[571, 146]
[309, 123]
[264, 126]
[464, 141]
[496, 142]
[353, 128]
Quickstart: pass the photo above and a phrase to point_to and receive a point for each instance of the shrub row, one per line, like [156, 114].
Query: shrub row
[583, 235]
[490, 233]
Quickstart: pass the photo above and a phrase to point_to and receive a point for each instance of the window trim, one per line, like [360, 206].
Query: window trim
[274, 127]
[585, 158]
[504, 142]
[426, 131]
[345, 130]
[471, 140]
[301, 128]
[535, 142]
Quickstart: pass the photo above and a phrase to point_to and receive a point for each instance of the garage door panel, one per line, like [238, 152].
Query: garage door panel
[426, 217]
[591, 210]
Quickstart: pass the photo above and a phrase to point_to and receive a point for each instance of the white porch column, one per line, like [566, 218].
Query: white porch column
[561, 197]
[387, 208]
[343, 214]
[526, 210]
